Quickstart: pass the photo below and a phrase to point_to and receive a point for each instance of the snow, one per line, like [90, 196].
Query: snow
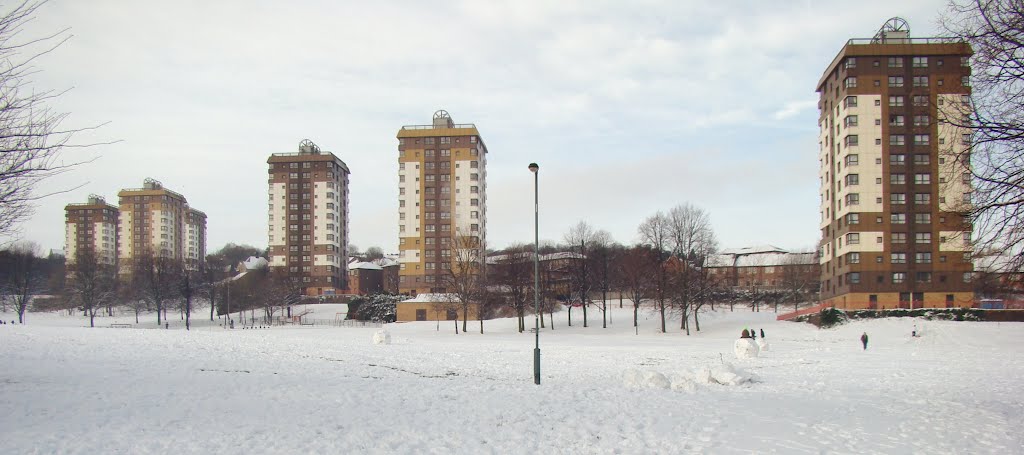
[68, 389]
[382, 336]
[745, 348]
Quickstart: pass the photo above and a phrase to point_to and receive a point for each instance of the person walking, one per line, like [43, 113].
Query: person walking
[762, 333]
[864, 339]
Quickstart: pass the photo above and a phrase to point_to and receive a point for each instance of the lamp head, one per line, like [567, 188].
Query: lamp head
[534, 167]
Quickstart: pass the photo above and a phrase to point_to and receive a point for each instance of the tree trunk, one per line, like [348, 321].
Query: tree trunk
[92, 318]
[661, 305]
[465, 316]
[213, 300]
[551, 318]
[570, 314]
[696, 321]
[158, 320]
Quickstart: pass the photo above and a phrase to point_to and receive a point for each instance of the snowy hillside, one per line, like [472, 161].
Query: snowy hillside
[69, 389]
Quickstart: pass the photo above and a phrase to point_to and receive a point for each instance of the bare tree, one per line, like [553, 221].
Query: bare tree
[512, 273]
[154, 280]
[692, 241]
[92, 284]
[374, 252]
[992, 155]
[464, 276]
[32, 136]
[638, 265]
[800, 278]
[655, 232]
[24, 278]
[585, 237]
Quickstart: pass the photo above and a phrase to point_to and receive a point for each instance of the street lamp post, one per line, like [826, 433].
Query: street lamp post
[536, 277]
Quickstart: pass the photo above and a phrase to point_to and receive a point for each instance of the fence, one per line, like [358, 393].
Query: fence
[340, 323]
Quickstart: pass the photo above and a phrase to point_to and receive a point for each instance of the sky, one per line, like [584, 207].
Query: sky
[629, 108]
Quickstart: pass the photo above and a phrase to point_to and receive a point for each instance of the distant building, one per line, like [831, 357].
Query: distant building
[308, 223]
[442, 199]
[365, 278]
[894, 172]
[91, 226]
[432, 307]
[764, 267]
[155, 220]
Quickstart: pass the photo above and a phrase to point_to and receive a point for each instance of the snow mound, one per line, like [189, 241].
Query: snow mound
[725, 374]
[382, 336]
[645, 379]
[762, 345]
[746, 348]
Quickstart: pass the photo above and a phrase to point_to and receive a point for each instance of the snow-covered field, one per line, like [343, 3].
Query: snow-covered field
[69, 389]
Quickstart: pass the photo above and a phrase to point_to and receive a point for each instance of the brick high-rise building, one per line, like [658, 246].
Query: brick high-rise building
[91, 226]
[156, 220]
[894, 172]
[308, 225]
[442, 200]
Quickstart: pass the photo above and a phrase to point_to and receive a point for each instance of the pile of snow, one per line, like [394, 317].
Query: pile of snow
[762, 345]
[382, 336]
[746, 348]
[725, 374]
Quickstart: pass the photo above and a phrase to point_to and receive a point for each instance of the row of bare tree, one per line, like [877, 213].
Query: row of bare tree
[667, 270]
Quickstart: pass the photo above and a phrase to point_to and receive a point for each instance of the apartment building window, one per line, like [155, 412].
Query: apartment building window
[850, 101]
[474, 177]
[920, 81]
[853, 277]
[923, 237]
[428, 141]
[923, 258]
[920, 62]
[898, 218]
[920, 100]
[895, 62]
[852, 218]
[850, 140]
[899, 277]
[472, 139]
[897, 179]
[474, 151]
[852, 179]
[923, 218]
[474, 202]
[446, 140]
[898, 258]
[922, 139]
[852, 199]
[853, 238]
[895, 81]
[431, 228]
[922, 198]
[895, 101]
[922, 159]
[898, 237]
[897, 139]
[474, 227]
[474, 189]
[852, 160]
[850, 120]
[965, 81]
[965, 139]
[850, 82]
[896, 120]
[897, 160]
[851, 62]
[922, 179]
[446, 153]
[330, 205]
[853, 258]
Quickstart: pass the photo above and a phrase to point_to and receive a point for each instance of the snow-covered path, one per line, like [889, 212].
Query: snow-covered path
[330, 390]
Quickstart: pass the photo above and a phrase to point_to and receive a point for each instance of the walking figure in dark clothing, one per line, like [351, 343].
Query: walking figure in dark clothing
[864, 339]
